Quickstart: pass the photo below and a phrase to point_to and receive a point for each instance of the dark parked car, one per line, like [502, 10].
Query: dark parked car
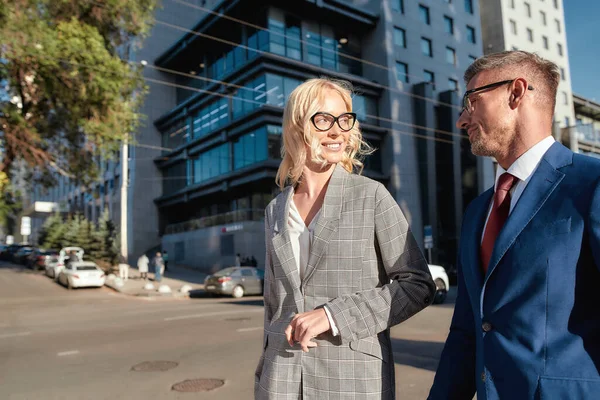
[39, 258]
[235, 281]
[8, 253]
[20, 257]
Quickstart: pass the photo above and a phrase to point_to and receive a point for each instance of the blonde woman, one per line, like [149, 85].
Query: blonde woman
[342, 265]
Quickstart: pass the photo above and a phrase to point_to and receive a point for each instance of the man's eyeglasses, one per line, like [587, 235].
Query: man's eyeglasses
[323, 121]
[466, 102]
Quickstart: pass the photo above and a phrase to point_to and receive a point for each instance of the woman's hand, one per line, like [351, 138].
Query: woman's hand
[304, 327]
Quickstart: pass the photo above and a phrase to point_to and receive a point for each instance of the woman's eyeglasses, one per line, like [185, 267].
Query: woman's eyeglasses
[323, 121]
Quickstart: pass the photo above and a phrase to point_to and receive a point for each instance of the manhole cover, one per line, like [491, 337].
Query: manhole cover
[238, 319]
[198, 385]
[151, 366]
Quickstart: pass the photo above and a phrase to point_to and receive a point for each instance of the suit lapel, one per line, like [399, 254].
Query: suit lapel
[282, 245]
[328, 221]
[543, 182]
[472, 267]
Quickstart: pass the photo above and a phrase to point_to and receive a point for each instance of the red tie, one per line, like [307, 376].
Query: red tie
[498, 217]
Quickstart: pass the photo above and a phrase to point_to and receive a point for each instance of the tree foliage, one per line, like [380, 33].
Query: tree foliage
[100, 242]
[70, 94]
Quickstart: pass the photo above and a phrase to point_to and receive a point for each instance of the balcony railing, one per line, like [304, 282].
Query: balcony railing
[216, 220]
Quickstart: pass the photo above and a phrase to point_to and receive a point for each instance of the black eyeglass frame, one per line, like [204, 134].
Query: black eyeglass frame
[466, 103]
[335, 119]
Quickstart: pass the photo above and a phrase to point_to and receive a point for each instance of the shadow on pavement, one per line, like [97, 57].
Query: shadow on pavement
[418, 354]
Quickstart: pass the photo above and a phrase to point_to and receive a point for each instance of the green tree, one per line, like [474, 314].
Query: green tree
[106, 236]
[55, 238]
[51, 224]
[72, 94]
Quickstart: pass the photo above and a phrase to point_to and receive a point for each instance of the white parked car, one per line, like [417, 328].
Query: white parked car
[442, 283]
[53, 269]
[81, 274]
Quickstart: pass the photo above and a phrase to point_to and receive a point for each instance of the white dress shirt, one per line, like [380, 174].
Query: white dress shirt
[301, 237]
[522, 169]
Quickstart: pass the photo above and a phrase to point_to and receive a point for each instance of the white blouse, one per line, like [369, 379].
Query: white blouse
[301, 237]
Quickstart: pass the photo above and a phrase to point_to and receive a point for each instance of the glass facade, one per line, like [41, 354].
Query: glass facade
[211, 118]
[212, 163]
[177, 135]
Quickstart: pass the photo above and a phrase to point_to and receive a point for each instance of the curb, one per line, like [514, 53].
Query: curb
[148, 293]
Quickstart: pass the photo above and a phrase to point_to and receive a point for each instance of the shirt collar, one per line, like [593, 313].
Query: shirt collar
[524, 166]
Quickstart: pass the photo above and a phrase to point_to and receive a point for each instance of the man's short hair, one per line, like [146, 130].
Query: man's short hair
[542, 74]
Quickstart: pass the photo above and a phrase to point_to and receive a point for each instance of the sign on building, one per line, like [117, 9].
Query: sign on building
[25, 226]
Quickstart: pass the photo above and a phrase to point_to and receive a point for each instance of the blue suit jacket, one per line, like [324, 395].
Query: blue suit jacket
[530, 328]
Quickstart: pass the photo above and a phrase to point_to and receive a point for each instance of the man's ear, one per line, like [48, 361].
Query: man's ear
[518, 91]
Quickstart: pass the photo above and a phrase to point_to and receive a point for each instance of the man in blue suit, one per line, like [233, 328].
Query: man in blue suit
[526, 323]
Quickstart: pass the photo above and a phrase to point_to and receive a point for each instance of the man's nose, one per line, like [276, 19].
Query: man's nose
[461, 122]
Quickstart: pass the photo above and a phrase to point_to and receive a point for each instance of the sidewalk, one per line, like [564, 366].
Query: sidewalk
[175, 278]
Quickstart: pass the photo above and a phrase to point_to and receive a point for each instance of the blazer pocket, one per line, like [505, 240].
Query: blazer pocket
[372, 347]
[567, 388]
[557, 227]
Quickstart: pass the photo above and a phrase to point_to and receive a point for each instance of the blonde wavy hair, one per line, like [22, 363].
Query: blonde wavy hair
[303, 103]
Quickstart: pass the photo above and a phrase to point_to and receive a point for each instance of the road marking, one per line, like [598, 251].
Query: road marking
[8, 335]
[68, 353]
[249, 329]
[211, 314]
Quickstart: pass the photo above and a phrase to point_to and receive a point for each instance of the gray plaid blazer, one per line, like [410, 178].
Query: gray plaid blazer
[366, 268]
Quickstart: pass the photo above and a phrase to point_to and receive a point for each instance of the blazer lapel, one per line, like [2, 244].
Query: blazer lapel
[282, 246]
[328, 221]
[472, 267]
[543, 182]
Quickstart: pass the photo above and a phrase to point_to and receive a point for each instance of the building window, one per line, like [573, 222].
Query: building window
[399, 37]
[545, 40]
[557, 22]
[284, 38]
[250, 148]
[210, 118]
[470, 34]
[563, 76]
[452, 84]
[174, 178]
[365, 108]
[530, 35]
[449, 25]
[528, 9]
[177, 135]
[450, 55]
[565, 98]
[401, 71]
[426, 47]
[429, 76]
[212, 163]
[398, 5]
[543, 16]
[469, 6]
[560, 49]
[513, 27]
[556, 4]
[424, 14]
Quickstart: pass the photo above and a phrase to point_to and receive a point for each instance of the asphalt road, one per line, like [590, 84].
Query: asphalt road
[82, 344]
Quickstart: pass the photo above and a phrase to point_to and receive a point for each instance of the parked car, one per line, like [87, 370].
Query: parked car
[81, 274]
[9, 252]
[235, 281]
[20, 257]
[53, 269]
[40, 258]
[440, 277]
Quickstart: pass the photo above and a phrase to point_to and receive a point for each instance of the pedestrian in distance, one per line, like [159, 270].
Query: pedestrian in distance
[526, 323]
[159, 266]
[341, 265]
[165, 257]
[123, 268]
[238, 260]
[142, 264]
